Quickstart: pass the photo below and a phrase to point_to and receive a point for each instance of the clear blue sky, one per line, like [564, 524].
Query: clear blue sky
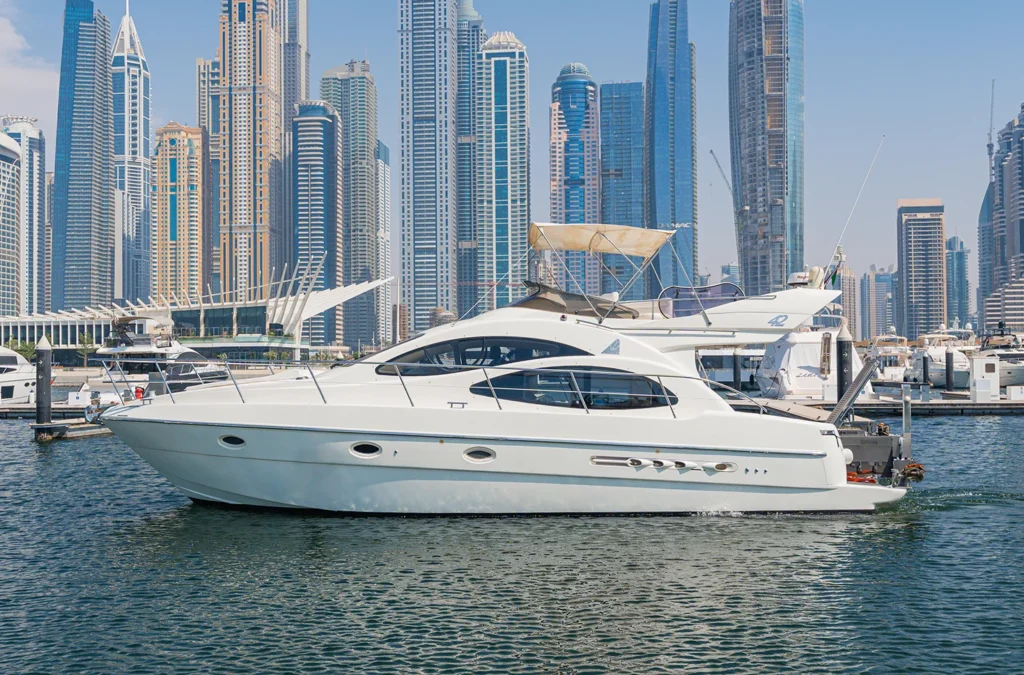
[918, 71]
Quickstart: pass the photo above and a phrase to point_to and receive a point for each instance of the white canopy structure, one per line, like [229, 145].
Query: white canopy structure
[597, 238]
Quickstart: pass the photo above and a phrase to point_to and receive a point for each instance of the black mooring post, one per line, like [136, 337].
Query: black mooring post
[949, 368]
[844, 361]
[925, 375]
[44, 369]
[737, 371]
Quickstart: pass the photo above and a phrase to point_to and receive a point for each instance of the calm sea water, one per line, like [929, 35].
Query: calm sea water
[105, 568]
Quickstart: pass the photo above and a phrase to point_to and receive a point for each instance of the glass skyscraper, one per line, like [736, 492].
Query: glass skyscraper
[83, 210]
[766, 120]
[575, 170]
[670, 148]
[316, 154]
[471, 36]
[296, 83]
[429, 83]
[986, 250]
[132, 167]
[353, 93]
[502, 184]
[958, 287]
[622, 177]
[32, 264]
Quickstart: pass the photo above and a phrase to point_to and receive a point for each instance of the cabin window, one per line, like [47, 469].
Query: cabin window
[599, 388]
[7, 392]
[8, 360]
[485, 352]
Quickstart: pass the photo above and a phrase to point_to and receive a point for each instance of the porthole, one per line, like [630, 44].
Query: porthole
[365, 450]
[479, 455]
[232, 441]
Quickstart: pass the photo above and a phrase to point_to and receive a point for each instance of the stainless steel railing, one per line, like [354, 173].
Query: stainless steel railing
[577, 392]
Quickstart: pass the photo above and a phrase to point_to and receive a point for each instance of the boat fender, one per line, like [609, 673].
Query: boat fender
[848, 456]
[639, 463]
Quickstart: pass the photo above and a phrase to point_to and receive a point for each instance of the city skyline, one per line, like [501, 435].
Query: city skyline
[710, 49]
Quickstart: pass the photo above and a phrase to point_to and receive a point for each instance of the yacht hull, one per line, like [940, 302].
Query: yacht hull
[427, 475]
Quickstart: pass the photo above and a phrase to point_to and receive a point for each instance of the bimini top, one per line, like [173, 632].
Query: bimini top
[595, 238]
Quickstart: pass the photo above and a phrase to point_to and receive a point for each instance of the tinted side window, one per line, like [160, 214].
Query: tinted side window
[609, 390]
[490, 352]
[538, 387]
[433, 360]
[601, 389]
[484, 352]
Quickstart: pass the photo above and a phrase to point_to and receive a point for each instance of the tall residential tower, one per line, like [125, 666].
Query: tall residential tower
[182, 236]
[83, 210]
[32, 263]
[317, 171]
[252, 244]
[502, 184]
[622, 177]
[132, 169]
[429, 83]
[921, 288]
[575, 170]
[351, 90]
[766, 120]
[384, 296]
[471, 36]
[10, 223]
[670, 147]
[958, 288]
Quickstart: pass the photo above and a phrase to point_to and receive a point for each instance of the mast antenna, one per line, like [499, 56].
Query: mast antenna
[855, 202]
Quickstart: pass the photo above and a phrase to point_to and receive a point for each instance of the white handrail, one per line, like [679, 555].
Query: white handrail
[449, 368]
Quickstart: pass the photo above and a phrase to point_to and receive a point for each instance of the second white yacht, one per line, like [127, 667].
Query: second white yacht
[17, 378]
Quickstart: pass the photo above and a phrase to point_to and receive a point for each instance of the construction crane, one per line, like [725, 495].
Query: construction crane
[729, 185]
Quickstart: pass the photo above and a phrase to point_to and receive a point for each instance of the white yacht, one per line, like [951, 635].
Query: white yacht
[963, 343]
[801, 366]
[717, 365]
[137, 361]
[1010, 351]
[893, 353]
[559, 404]
[17, 378]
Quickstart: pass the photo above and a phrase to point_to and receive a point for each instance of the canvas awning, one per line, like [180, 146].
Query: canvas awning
[596, 238]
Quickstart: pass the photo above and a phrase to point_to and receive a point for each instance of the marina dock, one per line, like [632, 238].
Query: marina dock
[894, 407]
[60, 411]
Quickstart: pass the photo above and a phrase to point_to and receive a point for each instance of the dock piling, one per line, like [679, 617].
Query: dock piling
[844, 360]
[737, 371]
[949, 368]
[44, 393]
[906, 420]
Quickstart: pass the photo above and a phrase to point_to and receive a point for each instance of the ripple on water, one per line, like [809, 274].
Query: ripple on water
[104, 568]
